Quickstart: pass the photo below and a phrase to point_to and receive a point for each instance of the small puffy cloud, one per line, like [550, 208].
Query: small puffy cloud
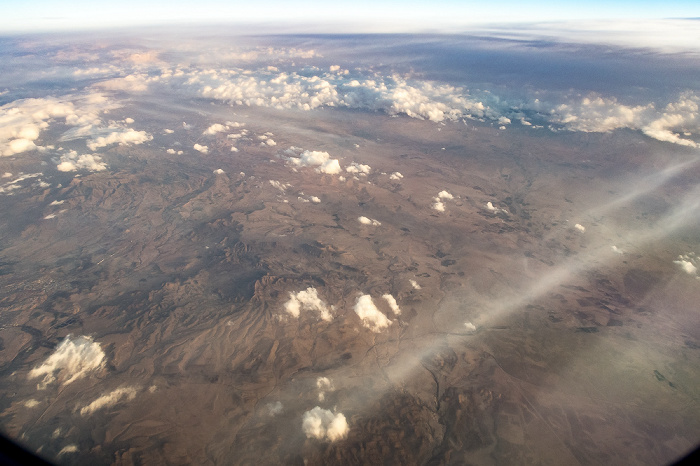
[438, 205]
[494, 209]
[687, 267]
[68, 449]
[331, 167]
[358, 169]
[392, 304]
[396, 176]
[368, 221]
[580, 228]
[688, 263]
[469, 326]
[617, 250]
[200, 148]
[71, 360]
[503, 120]
[307, 300]
[57, 202]
[415, 284]
[324, 385]
[334, 68]
[372, 318]
[315, 199]
[275, 408]
[17, 146]
[320, 160]
[31, 403]
[168, 131]
[72, 162]
[219, 171]
[215, 128]
[234, 149]
[121, 137]
[281, 186]
[323, 424]
[7, 175]
[109, 400]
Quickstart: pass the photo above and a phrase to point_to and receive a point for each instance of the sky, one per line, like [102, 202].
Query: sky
[356, 15]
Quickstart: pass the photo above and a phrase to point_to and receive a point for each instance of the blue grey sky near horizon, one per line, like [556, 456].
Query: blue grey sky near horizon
[358, 15]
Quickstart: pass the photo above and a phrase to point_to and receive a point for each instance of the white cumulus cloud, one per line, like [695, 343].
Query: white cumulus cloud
[372, 318]
[392, 303]
[580, 228]
[215, 128]
[324, 385]
[109, 400]
[31, 403]
[307, 300]
[494, 209]
[22, 121]
[281, 186]
[369, 221]
[318, 159]
[72, 162]
[688, 263]
[200, 148]
[358, 168]
[274, 408]
[71, 360]
[119, 136]
[68, 449]
[323, 424]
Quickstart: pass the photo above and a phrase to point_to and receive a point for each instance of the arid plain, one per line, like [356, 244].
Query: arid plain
[426, 292]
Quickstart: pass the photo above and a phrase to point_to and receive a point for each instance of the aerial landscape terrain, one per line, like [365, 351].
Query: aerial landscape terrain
[413, 249]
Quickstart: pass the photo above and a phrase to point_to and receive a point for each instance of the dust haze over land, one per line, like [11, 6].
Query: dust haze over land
[347, 249]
